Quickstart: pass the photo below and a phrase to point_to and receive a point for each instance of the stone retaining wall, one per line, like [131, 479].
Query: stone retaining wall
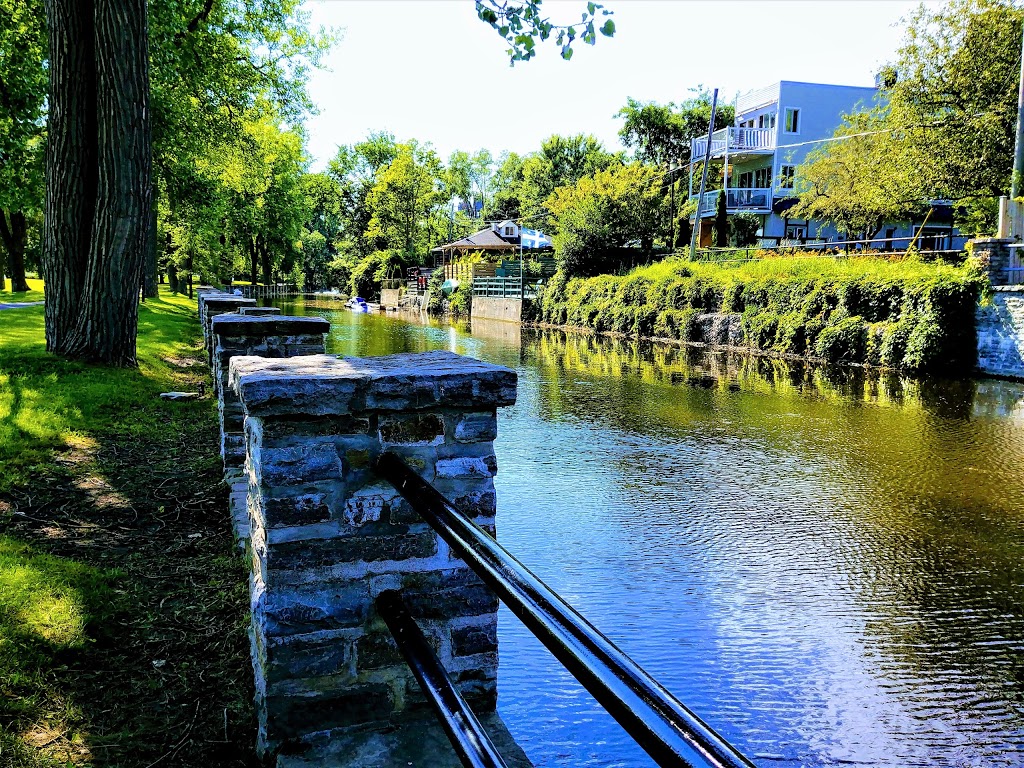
[1000, 326]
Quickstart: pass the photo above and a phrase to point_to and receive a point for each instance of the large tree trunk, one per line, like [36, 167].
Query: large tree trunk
[71, 170]
[14, 233]
[100, 149]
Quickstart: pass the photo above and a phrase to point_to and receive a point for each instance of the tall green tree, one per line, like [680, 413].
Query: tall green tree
[23, 48]
[661, 133]
[599, 215]
[944, 132]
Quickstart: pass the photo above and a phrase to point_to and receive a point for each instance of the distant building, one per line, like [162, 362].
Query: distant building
[503, 238]
[775, 128]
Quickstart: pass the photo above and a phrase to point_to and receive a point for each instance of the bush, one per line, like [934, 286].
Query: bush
[844, 342]
[900, 314]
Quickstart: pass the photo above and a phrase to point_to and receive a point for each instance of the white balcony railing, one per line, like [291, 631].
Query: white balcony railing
[737, 200]
[733, 140]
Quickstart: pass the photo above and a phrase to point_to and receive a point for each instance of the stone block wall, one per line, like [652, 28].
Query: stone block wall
[213, 304]
[1000, 326]
[260, 311]
[262, 335]
[994, 255]
[328, 535]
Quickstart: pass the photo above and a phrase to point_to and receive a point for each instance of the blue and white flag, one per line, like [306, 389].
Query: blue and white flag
[531, 238]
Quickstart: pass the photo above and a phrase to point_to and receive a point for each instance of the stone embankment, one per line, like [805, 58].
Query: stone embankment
[324, 535]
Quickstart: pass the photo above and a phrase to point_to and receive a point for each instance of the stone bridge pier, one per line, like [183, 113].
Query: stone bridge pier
[328, 536]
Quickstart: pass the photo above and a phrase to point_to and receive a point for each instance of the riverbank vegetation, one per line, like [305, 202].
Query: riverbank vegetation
[901, 313]
[122, 600]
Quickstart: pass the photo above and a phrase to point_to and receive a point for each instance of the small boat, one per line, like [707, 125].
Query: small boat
[357, 304]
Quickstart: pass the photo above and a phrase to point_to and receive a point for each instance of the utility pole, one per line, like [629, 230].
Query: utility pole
[1018, 154]
[704, 175]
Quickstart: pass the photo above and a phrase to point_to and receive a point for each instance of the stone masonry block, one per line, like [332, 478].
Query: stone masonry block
[476, 427]
[325, 606]
[416, 428]
[314, 655]
[467, 467]
[303, 464]
[320, 553]
[323, 385]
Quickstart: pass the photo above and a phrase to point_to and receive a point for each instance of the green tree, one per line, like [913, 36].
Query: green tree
[22, 128]
[955, 95]
[522, 187]
[945, 131]
[661, 134]
[600, 214]
[864, 179]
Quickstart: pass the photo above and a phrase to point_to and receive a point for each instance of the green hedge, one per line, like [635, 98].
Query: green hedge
[901, 314]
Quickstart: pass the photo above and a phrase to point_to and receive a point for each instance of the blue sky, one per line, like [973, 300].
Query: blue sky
[428, 69]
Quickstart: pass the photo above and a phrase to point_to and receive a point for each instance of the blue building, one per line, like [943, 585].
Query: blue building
[755, 161]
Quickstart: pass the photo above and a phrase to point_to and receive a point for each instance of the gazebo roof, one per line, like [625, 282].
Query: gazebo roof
[484, 240]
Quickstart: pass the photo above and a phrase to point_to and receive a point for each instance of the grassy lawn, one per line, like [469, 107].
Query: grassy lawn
[122, 601]
[35, 292]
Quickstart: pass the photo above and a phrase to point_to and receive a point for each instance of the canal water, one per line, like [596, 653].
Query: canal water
[827, 566]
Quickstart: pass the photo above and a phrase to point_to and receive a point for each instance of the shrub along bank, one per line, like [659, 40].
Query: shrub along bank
[900, 314]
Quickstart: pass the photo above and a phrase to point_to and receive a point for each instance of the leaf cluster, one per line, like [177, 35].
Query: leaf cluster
[521, 25]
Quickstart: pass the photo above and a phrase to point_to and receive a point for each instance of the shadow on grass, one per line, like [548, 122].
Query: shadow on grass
[122, 600]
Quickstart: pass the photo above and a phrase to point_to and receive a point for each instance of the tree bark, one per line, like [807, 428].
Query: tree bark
[14, 233]
[252, 262]
[151, 277]
[71, 169]
[265, 258]
[98, 174]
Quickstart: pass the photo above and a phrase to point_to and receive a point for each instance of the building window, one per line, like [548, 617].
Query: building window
[746, 179]
[510, 231]
[792, 120]
[763, 178]
[766, 120]
[786, 175]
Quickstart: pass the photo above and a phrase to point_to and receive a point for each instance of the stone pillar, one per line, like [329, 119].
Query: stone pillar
[260, 311]
[213, 304]
[234, 335]
[328, 535]
[994, 255]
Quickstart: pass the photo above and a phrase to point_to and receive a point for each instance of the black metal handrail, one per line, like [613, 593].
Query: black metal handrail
[471, 742]
[662, 725]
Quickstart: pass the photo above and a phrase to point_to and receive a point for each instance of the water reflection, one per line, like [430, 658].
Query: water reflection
[826, 564]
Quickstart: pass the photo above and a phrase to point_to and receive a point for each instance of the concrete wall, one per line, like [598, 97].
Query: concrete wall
[389, 297]
[489, 308]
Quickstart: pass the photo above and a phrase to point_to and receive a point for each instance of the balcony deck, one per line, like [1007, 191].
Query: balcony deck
[737, 200]
[734, 141]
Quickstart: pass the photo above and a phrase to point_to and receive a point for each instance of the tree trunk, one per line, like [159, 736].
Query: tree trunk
[253, 278]
[172, 278]
[100, 150]
[265, 258]
[14, 233]
[71, 169]
[3, 283]
[151, 277]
